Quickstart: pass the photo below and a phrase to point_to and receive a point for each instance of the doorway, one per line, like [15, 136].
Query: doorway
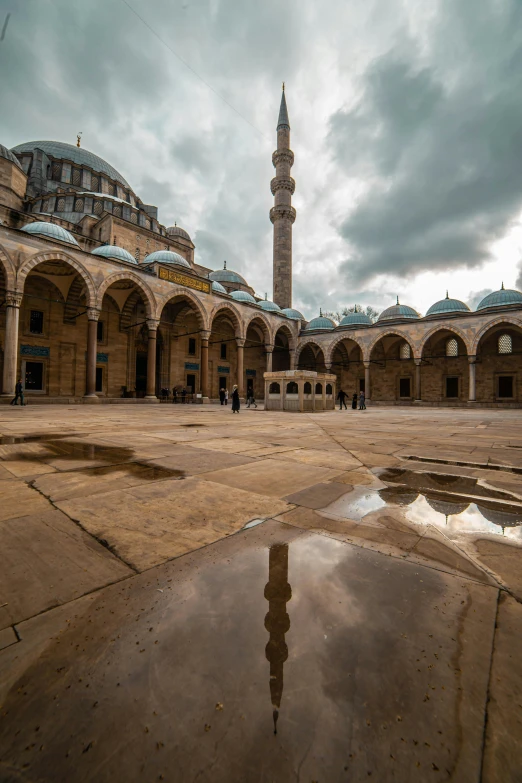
[250, 387]
[33, 375]
[452, 387]
[404, 387]
[191, 384]
[141, 373]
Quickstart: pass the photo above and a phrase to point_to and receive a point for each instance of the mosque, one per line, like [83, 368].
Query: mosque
[101, 302]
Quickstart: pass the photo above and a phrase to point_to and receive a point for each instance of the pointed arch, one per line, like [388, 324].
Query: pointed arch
[304, 344]
[387, 333]
[290, 334]
[505, 319]
[268, 331]
[9, 269]
[147, 295]
[234, 314]
[330, 349]
[185, 293]
[446, 328]
[72, 304]
[58, 255]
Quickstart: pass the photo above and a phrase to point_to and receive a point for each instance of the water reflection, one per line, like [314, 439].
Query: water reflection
[277, 622]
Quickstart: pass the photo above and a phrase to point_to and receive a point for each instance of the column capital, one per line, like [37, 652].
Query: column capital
[93, 314]
[472, 359]
[205, 334]
[13, 299]
[328, 365]
[152, 324]
[240, 342]
[269, 348]
[366, 365]
[418, 362]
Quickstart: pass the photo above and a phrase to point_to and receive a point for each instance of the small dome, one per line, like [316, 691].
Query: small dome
[165, 257]
[448, 305]
[8, 155]
[176, 231]
[295, 314]
[501, 516]
[269, 306]
[227, 276]
[218, 288]
[321, 323]
[499, 298]
[356, 319]
[398, 311]
[242, 296]
[114, 252]
[446, 507]
[50, 231]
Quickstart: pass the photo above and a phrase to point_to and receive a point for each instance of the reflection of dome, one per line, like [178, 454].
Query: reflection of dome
[227, 276]
[398, 311]
[448, 305]
[499, 298]
[242, 296]
[356, 319]
[165, 257]
[8, 155]
[114, 252]
[218, 288]
[291, 313]
[51, 231]
[500, 515]
[446, 507]
[176, 231]
[79, 155]
[398, 495]
[321, 323]
[269, 306]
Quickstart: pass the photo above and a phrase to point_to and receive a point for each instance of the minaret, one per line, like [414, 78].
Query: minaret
[282, 213]
[277, 622]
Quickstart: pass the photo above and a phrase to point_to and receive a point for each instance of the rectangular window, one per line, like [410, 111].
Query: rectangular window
[223, 350]
[99, 379]
[36, 322]
[505, 386]
[404, 387]
[34, 376]
[452, 387]
[192, 346]
[191, 384]
[100, 331]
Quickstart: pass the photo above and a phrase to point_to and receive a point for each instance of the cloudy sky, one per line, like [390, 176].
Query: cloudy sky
[406, 127]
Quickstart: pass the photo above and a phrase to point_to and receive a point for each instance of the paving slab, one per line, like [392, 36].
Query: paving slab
[18, 500]
[192, 461]
[360, 676]
[337, 460]
[318, 495]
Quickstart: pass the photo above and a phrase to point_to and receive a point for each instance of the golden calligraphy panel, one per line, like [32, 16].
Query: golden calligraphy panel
[180, 279]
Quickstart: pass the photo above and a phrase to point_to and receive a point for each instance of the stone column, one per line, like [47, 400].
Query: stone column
[366, 380]
[472, 396]
[152, 326]
[324, 395]
[269, 353]
[240, 365]
[418, 380]
[300, 391]
[291, 351]
[205, 336]
[92, 348]
[12, 316]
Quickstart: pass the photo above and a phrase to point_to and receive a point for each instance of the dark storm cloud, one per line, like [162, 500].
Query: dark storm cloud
[437, 134]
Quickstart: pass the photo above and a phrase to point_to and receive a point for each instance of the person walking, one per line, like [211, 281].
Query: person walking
[226, 396]
[251, 400]
[354, 401]
[222, 396]
[342, 400]
[235, 400]
[183, 394]
[174, 395]
[19, 392]
[362, 403]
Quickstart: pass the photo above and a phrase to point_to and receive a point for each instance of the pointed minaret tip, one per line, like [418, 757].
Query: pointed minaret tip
[398, 300]
[320, 312]
[283, 121]
[224, 264]
[447, 295]
[502, 288]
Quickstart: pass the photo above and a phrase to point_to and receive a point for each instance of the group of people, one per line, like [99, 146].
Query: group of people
[223, 397]
[361, 399]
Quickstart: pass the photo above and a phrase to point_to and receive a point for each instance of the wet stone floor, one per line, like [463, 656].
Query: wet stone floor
[275, 597]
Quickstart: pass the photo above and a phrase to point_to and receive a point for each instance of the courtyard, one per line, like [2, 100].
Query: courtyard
[187, 595]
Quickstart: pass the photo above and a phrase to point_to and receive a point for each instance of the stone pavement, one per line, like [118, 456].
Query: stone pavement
[177, 585]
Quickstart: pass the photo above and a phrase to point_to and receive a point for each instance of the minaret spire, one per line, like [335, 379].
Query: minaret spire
[283, 213]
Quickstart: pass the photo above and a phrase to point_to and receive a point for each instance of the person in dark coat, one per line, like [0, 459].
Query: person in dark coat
[342, 399]
[222, 396]
[183, 394]
[354, 401]
[19, 392]
[235, 400]
[362, 402]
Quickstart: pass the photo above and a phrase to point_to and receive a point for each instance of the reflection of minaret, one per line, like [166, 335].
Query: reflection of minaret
[282, 213]
[277, 621]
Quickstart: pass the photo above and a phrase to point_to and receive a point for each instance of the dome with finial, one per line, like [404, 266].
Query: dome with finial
[356, 319]
[322, 322]
[177, 231]
[50, 231]
[290, 312]
[165, 257]
[218, 288]
[227, 276]
[447, 306]
[501, 516]
[506, 296]
[397, 312]
[115, 253]
[243, 296]
[270, 307]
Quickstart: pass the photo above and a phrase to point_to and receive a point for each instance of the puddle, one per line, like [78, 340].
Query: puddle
[69, 450]
[441, 481]
[253, 523]
[141, 470]
[192, 425]
[10, 440]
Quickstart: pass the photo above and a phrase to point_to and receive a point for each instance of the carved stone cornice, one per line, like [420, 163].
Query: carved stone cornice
[282, 183]
[93, 314]
[283, 156]
[13, 299]
[282, 212]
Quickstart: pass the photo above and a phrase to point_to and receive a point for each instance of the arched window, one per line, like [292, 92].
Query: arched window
[308, 388]
[291, 388]
[137, 254]
[505, 344]
[329, 388]
[78, 205]
[95, 184]
[134, 218]
[318, 388]
[452, 347]
[60, 205]
[274, 388]
[405, 352]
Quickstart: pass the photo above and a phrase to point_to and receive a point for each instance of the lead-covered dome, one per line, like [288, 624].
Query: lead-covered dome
[115, 253]
[270, 307]
[50, 231]
[242, 296]
[290, 312]
[396, 312]
[448, 305]
[506, 296]
[8, 155]
[166, 257]
[218, 288]
[82, 157]
[356, 319]
[227, 276]
[320, 323]
[177, 231]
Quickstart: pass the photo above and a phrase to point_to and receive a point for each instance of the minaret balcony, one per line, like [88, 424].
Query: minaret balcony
[282, 212]
[283, 156]
[282, 183]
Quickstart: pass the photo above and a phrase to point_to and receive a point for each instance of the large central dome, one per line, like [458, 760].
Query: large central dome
[62, 151]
